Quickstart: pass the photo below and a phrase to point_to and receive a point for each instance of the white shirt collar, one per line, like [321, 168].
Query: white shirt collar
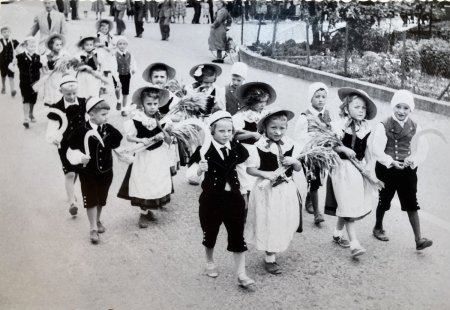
[314, 111]
[68, 104]
[402, 123]
[93, 126]
[218, 146]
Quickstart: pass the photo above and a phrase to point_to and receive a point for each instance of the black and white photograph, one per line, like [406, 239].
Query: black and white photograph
[224, 154]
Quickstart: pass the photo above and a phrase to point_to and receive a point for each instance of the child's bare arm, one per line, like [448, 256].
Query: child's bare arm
[244, 134]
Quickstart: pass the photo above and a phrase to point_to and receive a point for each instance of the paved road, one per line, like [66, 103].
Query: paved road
[47, 262]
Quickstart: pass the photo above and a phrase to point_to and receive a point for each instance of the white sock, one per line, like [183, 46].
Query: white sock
[270, 258]
[354, 244]
[338, 233]
[210, 265]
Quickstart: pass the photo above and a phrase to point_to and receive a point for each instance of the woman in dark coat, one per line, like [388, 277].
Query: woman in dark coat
[218, 35]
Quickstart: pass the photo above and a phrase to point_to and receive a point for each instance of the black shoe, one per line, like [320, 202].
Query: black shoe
[26, 125]
[272, 268]
[218, 61]
[73, 210]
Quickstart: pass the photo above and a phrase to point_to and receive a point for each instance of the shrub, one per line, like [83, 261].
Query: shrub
[435, 57]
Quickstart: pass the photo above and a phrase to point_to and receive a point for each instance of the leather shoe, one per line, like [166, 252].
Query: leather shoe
[318, 219]
[423, 243]
[94, 237]
[247, 283]
[272, 268]
[73, 210]
[380, 234]
[100, 228]
[143, 221]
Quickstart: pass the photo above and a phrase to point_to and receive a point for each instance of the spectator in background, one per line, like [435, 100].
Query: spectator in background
[139, 11]
[74, 7]
[197, 11]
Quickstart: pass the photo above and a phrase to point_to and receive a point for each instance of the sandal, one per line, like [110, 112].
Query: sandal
[94, 237]
[423, 243]
[211, 271]
[380, 234]
[358, 251]
[247, 283]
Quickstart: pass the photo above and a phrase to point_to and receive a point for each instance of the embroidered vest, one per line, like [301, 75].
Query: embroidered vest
[232, 103]
[325, 116]
[398, 145]
[123, 63]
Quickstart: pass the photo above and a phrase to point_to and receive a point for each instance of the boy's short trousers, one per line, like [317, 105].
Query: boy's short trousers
[125, 81]
[94, 188]
[5, 72]
[227, 208]
[28, 94]
[66, 165]
[404, 182]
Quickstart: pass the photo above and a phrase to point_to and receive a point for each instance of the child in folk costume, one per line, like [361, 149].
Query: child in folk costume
[159, 74]
[88, 84]
[316, 111]
[74, 110]
[255, 96]
[205, 76]
[221, 200]
[105, 48]
[126, 67]
[349, 196]
[148, 183]
[90, 147]
[238, 76]
[29, 65]
[98, 6]
[7, 47]
[49, 90]
[397, 164]
[273, 210]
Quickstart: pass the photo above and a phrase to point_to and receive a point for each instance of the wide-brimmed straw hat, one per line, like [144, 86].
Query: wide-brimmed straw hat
[171, 72]
[164, 95]
[55, 36]
[196, 70]
[371, 108]
[243, 90]
[85, 38]
[289, 114]
[102, 21]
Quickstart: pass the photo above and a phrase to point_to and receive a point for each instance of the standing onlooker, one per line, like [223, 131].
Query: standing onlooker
[197, 12]
[218, 35]
[98, 7]
[205, 12]
[211, 10]
[119, 11]
[139, 11]
[166, 12]
[74, 7]
[47, 23]
[180, 10]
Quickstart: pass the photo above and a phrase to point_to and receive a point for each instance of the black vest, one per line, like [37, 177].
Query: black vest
[143, 132]
[221, 171]
[269, 161]
[253, 127]
[75, 116]
[360, 144]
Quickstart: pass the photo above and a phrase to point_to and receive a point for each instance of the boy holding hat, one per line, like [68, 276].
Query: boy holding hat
[72, 112]
[221, 200]
[90, 149]
[397, 164]
[238, 76]
[7, 47]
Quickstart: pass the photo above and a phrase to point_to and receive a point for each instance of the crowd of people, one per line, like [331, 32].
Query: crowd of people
[245, 162]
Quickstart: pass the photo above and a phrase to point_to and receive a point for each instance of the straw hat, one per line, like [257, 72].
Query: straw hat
[104, 20]
[290, 115]
[371, 108]
[244, 89]
[164, 95]
[85, 38]
[55, 36]
[196, 70]
[171, 72]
